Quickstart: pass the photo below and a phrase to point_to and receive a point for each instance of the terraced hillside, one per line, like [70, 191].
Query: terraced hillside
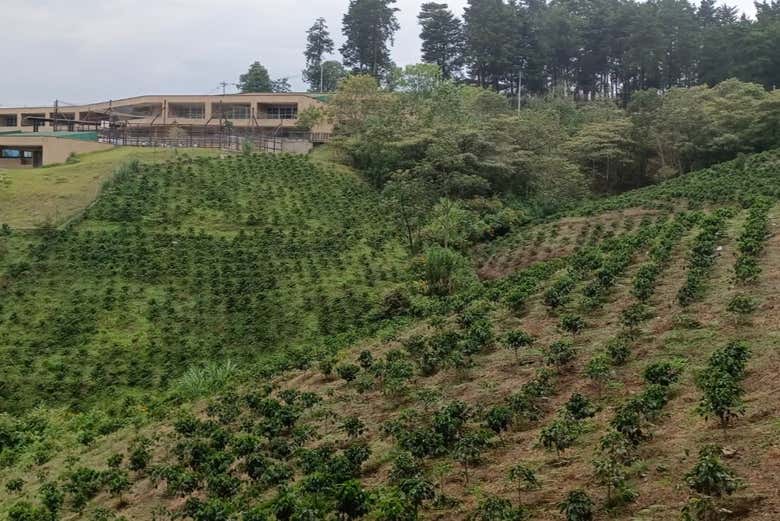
[184, 265]
[618, 366]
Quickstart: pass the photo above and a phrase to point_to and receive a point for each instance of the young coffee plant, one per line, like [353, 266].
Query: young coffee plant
[710, 480]
[751, 242]
[742, 306]
[721, 383]
[560, 354]
[524, 479]
[577, 506]
[516, 340]
[573, 324]
[561, 434]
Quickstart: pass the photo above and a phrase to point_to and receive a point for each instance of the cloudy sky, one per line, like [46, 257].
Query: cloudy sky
[82, 51]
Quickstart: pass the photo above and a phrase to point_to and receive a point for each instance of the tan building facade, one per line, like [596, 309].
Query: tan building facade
[35, 150]
[268, 112]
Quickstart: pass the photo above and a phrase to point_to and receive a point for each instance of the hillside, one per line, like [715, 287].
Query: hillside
[197, 311]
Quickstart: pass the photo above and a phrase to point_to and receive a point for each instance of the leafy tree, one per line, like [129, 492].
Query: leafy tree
[494, 508]
[348, 372]
[140, 455]
[406, 197]
[368, 25]
[580, 407]
[366, 360]
[577, 506]
[280, 85]
[710, 476]
[490, 28]
[722, 397]
[604, 149]
[742, 306]
[442, 270]
[498, 418]
[560, 434]
[524, 479]
[468, 451]
[393, 505]
[663, 373]
[516, 340]
[450, 224]
[598, 369]
[318, 44]
[618, 350]
[352, 501]
[612, 474]
[52, 498]
[573, 324]
[560, 353]
[333, 73]
[14, 485]
[442, 38]
[24, 511]
[353, 426]
[256, 79]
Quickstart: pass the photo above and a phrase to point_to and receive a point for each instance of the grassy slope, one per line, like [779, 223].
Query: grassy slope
[54, 193]
[677, 433]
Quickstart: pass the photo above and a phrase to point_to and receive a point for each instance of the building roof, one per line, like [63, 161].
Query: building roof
[81, 136]
[65, 108]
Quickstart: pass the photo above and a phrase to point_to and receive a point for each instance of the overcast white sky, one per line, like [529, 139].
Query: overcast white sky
[83, 51]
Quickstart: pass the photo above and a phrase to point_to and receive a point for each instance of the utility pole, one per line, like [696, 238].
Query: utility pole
[224, 84]
[519, 90]
[322, 74]
[56, 112]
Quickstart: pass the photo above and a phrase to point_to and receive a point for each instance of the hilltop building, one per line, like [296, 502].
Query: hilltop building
[268, 120]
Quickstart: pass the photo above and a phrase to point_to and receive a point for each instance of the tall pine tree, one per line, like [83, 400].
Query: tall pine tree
[368, 27]
[442, 38]
[318, 44]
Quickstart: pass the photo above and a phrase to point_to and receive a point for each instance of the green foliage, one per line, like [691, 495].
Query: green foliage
[25, 511]
[468, 450]
[367, 26]
[318, 44]
[256, 79]
[14, 485]
[209, 379]
[516, 340]
[742, 305]
[560, 434]
[558, 293]
[442, 38]
[498, 418]
[720, 383]
[579, 407]
[347, 372]
[703, 254]
[634, 315]
[573, 324]
[444, 270]
[494, 508]
[163, 286]
[710, 476]
[140, 455]
[752, 240]
[618, 350]
[560, 353]
[612, 474]
[577, 506]
[663, 373]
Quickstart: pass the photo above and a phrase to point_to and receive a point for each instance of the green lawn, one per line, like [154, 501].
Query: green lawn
[29, 197]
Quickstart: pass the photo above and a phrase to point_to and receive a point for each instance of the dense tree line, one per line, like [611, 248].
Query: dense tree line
[464, 142]
[585, 49]
[604, 48]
